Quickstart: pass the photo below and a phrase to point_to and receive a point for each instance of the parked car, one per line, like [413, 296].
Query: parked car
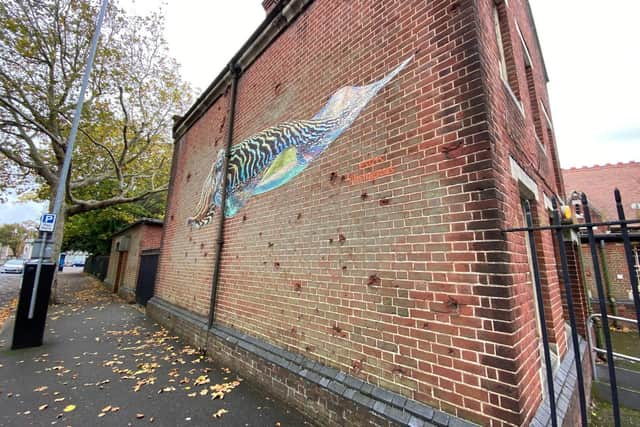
[13, 266]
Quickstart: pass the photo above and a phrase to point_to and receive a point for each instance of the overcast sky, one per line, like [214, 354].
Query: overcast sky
[591, 51]
[592, 54]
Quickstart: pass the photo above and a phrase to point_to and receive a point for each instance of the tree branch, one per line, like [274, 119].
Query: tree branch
[80, 206]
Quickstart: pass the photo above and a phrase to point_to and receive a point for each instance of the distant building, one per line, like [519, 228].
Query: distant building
[599, 183]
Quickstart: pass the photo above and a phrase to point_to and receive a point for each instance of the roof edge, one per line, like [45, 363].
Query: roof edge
[141, 221]
[277, 20]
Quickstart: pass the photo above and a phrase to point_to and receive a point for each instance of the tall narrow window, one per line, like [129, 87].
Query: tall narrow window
[505, 48]
[531, 86]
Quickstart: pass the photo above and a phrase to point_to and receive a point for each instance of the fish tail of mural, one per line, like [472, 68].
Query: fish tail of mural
[274, 156]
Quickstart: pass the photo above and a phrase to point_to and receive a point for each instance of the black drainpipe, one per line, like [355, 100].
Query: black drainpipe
[233, 70]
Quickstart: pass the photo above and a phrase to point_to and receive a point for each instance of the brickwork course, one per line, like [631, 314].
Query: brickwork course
[142, 235]
[403, 280]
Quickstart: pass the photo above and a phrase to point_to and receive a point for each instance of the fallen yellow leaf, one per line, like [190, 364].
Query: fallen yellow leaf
[219, 413]
[69, 408]
[202, 379]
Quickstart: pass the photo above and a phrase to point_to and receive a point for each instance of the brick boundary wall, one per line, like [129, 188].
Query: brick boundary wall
[328, 395]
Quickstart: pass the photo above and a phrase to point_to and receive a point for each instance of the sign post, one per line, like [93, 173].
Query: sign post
[47, 224]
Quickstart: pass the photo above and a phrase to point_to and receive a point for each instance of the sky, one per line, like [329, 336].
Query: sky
[591, 51]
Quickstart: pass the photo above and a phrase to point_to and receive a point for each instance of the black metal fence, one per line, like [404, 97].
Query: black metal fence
[558, 228]
[97, 265]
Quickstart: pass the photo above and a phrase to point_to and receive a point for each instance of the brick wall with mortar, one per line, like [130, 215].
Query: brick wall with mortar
[618, 277]
[512, 127]
[404, 281]
[186, 260]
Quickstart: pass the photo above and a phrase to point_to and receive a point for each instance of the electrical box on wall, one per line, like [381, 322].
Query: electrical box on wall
[123, 244]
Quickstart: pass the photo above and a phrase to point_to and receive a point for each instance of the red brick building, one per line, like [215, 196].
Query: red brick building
[373, 283]
[598, 183]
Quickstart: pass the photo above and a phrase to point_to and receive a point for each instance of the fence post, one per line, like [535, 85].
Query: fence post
[545, 336]
[572, 315]
[603, 311]
[628, 254]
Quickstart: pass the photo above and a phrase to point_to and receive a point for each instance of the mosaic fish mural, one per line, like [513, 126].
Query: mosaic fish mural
[274, 156]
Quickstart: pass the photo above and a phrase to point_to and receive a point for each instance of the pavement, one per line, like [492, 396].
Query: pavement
[104, 363]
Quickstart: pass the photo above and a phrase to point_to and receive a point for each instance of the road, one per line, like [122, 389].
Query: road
[10, 285]
[9, 288]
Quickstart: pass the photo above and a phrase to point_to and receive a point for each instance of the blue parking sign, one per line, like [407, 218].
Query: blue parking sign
[47, 222]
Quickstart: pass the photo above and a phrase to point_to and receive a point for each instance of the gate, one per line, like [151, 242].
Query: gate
[147, 275]
[603, 349]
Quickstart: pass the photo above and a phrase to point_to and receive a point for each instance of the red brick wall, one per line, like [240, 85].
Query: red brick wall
[618, 275]
[406, 280]
[151, 237]
[512, 127]
[186, 259]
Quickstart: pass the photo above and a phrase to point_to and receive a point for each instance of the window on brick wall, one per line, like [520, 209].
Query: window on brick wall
[552, 148]
[508, 70]
[531, 87]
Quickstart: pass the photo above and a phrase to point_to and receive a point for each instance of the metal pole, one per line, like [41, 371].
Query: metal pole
[627, 251]
[62, 179]
[543, 324]
[603, 312]
[234, 73]
[62, 182]
[572, 315]
[34, 291]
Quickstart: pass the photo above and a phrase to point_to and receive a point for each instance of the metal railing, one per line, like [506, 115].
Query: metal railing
[594, 348]
[558, 227]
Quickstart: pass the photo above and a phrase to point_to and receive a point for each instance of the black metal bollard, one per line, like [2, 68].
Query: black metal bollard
[28, 332]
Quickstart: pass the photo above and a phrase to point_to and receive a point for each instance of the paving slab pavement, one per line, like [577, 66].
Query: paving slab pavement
[104, 363]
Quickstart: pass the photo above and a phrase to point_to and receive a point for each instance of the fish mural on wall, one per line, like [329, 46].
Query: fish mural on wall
[274, 156]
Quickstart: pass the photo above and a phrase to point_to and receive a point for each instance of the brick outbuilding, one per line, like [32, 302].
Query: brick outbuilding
[363, 272]
[127, 246]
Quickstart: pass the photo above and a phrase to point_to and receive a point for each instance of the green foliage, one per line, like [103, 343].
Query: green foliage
[91, 231]
[15, 236]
